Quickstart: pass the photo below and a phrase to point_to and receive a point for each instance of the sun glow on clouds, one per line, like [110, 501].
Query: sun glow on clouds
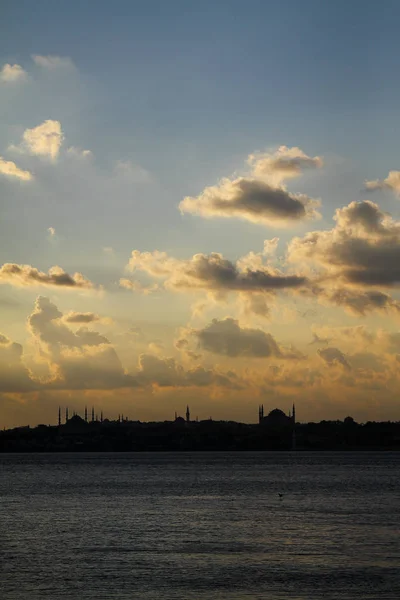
[12, 74]
[25, 275]
[253, 322]
[44, 140]
[260, 197]
[10, 169]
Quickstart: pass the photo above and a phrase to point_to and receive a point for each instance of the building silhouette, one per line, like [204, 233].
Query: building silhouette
[276, 417]
[277, 421]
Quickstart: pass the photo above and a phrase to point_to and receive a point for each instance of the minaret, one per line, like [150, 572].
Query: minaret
[59, 416]
[86, 414]
[66, 415]
[260, 412]
[187, 414]
[101, 417]
[294, 428]
[92, 414]
[176, 415]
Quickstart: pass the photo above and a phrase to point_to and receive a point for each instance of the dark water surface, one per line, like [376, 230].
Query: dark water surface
[200, 526]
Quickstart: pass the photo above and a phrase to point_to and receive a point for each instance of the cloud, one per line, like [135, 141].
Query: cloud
[44, 140]
[53, 62]
[193, 355]
[12, 74]
[362, 250]
[360, 303]
[166, 372]
[51, 231]
[137, 286]
[131, 172]
[226, 337]
[10, 169]
[356, 336]
[392, 182]
[62, 359]
[78, 153]
[255, 304]
[65, 359]
[211, 272]
[285, 163]
[319, 340]
[334, 356]
[258, 260]
[181, 343]
[252, 200]
[45, 323]
[25, 275]
[252, 278]
[83, 359]
[77, 317]
[260, 197]
[13, 374]
[156, 347]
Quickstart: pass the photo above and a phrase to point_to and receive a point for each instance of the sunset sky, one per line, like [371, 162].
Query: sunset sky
[200, 204]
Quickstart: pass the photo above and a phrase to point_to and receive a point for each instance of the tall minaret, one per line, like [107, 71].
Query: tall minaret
[294, 428]
[86, 414]
[66, 415]
[260, 412]
[59, 416]
[101, 417]
[187, 414]
[92, 414]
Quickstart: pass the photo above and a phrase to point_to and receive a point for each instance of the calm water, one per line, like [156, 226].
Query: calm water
[200, 526]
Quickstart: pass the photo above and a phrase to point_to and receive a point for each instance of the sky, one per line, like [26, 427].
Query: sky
[199, 204]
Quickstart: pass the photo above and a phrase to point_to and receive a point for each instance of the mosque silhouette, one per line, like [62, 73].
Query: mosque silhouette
[276, 422]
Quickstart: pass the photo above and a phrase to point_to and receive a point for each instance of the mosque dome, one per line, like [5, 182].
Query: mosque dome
[277, 418]
[277, 413]
[76, 420]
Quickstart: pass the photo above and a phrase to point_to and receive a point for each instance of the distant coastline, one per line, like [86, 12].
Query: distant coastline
[77, 435]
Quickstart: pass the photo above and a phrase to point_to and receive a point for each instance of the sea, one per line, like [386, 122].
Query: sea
[200, 526]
